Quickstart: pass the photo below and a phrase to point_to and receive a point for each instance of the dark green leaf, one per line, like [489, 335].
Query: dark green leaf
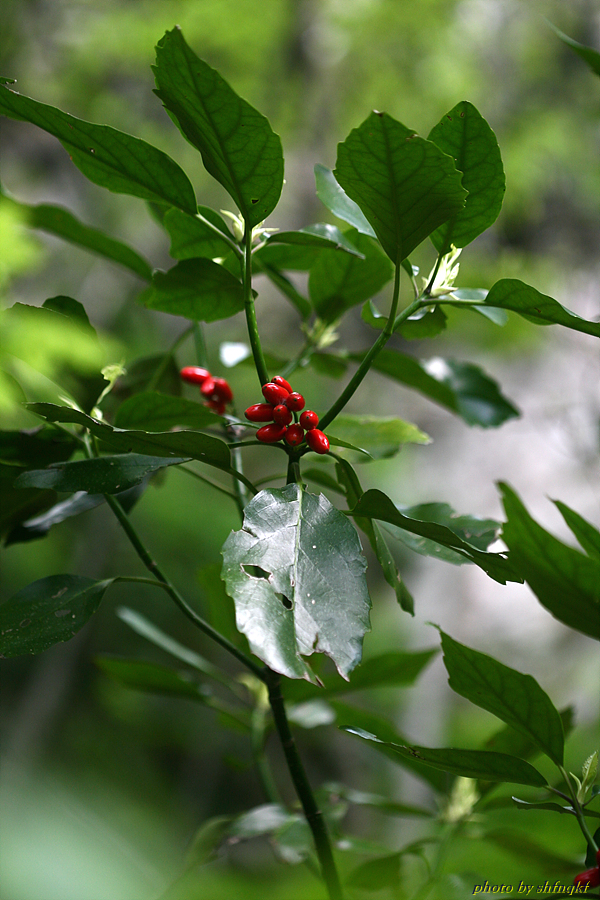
[329, 365]
[290, 257]
[425, 323]
[220, 604]
[104, 475]
[47, 612]
[468, 763]
[198, 289]
[553, 807]
[280, 281]
[507, 740]
[376, 505]
[151, 411]
[586, 534]
[381, 437]
[237, 143]
[339, 281]
[588, 54]
[142, 375]
[151, 677]
[108, 157]
[465, 135]
[39, 447]
[377, 874]
[522, 845]
[461, 387]
[335, 198]
[515, 295]
[192, 237]
[515, 698]
[311, 556]
[405, 185]
[377, 801]
[325, 237]
[566, 582]
[71, 308]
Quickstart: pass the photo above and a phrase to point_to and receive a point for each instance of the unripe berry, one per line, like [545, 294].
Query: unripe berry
[259, 412]
[268, 434]
[281, 382]
[294, 401]
[222, 392]
[274, 393]
[282, 415]
[309, 419]
[294, 435]
[194, 375]
[317, 441]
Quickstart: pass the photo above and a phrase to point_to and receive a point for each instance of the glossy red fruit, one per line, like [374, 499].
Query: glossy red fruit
[294, 401]
[222, 392]
[208, 387]
[281, 382]
[194, 375]
[317, 441]
[589, 878]
[274, 393]
[271, 433]
[294, 435]
[260, 412]
[309, 419]
[282, 415]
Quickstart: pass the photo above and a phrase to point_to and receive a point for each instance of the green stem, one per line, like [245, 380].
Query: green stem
[313, 814]
[259, 360]
[200, 343]
[579, 811]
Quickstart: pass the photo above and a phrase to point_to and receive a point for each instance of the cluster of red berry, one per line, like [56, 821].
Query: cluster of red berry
[281, 407]
[216, 391]
[591, 877]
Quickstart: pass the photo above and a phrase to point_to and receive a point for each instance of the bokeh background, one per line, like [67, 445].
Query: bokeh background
[103, 788]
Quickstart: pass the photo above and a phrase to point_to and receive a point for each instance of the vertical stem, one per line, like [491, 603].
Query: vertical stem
[259, 360]
[579, 812]
[201, 352]
[313, 814]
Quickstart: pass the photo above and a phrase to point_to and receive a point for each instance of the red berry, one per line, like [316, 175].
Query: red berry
[282, 415]
[309, 419]
[208, 387]
[294, 435]
[194, 375]
[589, 878]
[317, 441]
[217, 405]
[281, 382]
[271, 433]
[274, 393]
[222, 391]
[260, 412]
[294, 401]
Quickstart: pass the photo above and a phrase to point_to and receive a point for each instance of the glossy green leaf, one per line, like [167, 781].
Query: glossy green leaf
[515, 698]
[151, 677]
[311, 556]
[464, 135]
[584, 531]
[515, 295]
[380, 436]
[335, 198]
[463, 388]
[191, 236]
[588, 54]
[184, 444]
[47, 612]
[405, 186]
[103, 475]
[339, 281]
[110, 158]
[237, 144]
[198, 289]
[469, 763]
[375, 504]
[62, 223]
[565, 581]
[324, 237]
[151, 411]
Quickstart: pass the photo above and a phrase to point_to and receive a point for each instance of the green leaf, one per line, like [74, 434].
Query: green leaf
[515, 295]
[463, 388]
[378, 801]
[237, 144]
[192, 237]
[311, 556]
[468, 763]
[553, 807]
[377, 874]
[184, 444]
[376, 505]
[324, 237]
[62, 223]
[522, 845]
[425, 323]
[110, 158]
[586, 534]
[566, 582]
[290, 257]
[335, 198]
[47, 612]
[405, 186]
[151, 677]
[151, 411]
[339, 281]
[588, 54]
[103, 475]
[198, 289]
[379, 436]
[515, 698]
[464, 135]
[220, 604]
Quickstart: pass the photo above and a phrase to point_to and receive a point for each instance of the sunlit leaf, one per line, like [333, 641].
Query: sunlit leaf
[335, 198]
[584, 531]
[380, 436]
[324, 237]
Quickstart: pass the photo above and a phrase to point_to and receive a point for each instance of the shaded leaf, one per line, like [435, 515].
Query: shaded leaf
[426, 322]
[377, 874]
[553, 807]
[151, 411]
[103, 475]
[587, 536]
[566, 582]
[192, 237]
[237, 144]
[290, 257]
[198, 289]
[523, 846]
[464, 135]
[405, 186]
[110, 158]
[588, 54]
[380, 436]
[47, 612]
[515, 295]
[324, 237]
[335, 198]
[377, 801]
[515, 698]
[151, 677]
[220, 604]
[311, 556]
